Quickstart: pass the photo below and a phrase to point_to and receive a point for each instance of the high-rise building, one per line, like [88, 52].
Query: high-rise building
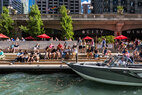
[110, 6]
[25, 6]
[6, 3]
[1, 5]
[14, 4]
[22, 6]
[17, 5]
[52, 6]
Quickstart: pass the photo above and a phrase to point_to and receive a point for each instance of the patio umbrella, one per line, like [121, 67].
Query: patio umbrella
[87, 38]
[3, 36]
[29, 38]
[121, 37]
[43, 36]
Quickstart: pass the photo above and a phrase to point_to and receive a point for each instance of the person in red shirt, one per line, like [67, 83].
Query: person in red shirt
[60, 46]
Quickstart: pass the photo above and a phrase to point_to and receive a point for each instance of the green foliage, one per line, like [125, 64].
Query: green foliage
[35, 23]
[66, 23]
[6, 23]
[120, 9]
[109, 39]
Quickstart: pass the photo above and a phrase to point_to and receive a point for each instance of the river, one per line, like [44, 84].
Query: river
[58, 84]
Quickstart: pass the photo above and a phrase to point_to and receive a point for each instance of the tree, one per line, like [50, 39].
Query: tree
[6, 22]
[35, 22]
[120, 9]
[66, 23]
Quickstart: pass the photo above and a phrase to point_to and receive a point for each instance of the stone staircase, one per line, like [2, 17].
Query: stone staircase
[10, 57]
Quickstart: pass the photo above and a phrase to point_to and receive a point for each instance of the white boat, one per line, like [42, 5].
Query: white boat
[110, 71]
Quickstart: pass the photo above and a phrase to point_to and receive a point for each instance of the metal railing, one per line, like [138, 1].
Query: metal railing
[83, 16]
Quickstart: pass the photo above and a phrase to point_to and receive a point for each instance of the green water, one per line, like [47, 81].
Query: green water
[58, 84]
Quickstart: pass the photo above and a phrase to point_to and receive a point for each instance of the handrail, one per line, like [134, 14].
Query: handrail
[80, 16]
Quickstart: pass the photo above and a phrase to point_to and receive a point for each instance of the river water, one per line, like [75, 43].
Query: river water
[58, 84]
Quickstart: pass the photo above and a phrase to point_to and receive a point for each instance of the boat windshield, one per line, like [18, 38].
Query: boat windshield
[117, 61]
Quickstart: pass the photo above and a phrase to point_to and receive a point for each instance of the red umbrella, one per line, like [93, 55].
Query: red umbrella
[3, 36]
[87, 38]
[121, 37]
[43, 36]
[30, 38]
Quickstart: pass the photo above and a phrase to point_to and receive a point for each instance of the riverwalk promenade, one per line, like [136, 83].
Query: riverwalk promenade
[45, 65]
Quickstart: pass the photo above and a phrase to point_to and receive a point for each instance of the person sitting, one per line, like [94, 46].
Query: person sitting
[140, 55]
[22, 39]
[46, 53]
[58, 53]
[31, 57]
[2, 56]
[19, 56]
[50, 46]
[11, 48]
[68, 52]
[25, 56]
[96, 55]
[64, 52]
[17, 39]
[37, 56]
[53, 52]
[56, 39]
[89, 52]
[121, 62]
[16, 47]
[36, 47]
[60, 46]
[136, 54]
[12, 39]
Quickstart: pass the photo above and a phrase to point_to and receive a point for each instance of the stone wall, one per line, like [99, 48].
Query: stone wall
[31, 44]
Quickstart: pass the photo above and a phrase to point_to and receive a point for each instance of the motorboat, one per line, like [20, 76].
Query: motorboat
[115, 70]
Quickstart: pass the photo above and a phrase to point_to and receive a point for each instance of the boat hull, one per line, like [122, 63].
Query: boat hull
[131, 77]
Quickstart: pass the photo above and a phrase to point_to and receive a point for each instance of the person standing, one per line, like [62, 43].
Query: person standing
[103, 44]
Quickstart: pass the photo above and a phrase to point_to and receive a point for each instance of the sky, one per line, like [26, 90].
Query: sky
[82, 7]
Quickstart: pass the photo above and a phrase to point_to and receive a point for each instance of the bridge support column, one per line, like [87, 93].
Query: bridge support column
[119, 27]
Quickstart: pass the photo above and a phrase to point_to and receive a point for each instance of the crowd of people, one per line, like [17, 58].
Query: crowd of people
[89, 48]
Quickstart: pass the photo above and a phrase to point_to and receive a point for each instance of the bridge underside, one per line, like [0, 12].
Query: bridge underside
[113, 25]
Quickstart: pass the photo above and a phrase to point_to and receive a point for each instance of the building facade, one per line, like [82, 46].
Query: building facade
[110, 6]
[22, 6]
[1, 5]
[52, 6]
[25, 6]
[17, 5]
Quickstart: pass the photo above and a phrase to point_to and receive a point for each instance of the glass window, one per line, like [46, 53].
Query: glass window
[114, 9]
[132, 10]
[115, 2]
[139, 4]
[132, 3]
[125, 9]
[123, 2]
